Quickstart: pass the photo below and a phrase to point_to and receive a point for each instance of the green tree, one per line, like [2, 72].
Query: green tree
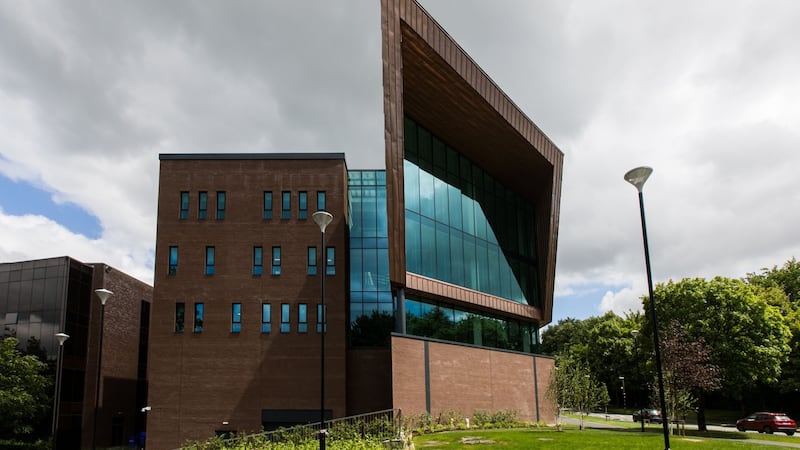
[746, 337]
[787, 280]
[573, 386]
[23, 390]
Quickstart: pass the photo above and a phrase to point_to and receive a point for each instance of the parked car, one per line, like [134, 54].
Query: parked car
[767, 422]
[650, 415]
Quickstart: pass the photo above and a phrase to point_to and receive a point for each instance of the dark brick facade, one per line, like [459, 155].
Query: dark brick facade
[219, 380]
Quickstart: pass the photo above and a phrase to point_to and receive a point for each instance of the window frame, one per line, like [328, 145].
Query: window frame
[211, 259]
[276, 262]
[180, 317]
[330, 260]
[258, 260]
[286, 205]
[268, 204]
[199, 317]
[172, 264]
[236, 317]
[202, 205]
[221, 200]
[286, 317]
[302, 205]
[311, 261]
[321, 204]
[184, 206]
[321, 309]
[302, 318]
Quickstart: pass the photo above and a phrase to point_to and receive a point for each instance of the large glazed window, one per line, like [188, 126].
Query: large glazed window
[371, 303]
[463, 226]
[442, 321]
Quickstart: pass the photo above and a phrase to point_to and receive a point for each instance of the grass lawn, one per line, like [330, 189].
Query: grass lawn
[572, 438]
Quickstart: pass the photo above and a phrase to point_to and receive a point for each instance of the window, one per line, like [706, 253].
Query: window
[286, 205]
[236, 317]
[285, 325]
[202, 205]
[312, 261]
[320, 317]
[199, 311]
[302, 205]
[184, 205]
[210, 260]
[320, 200]
[266, 318]
[180, 314]
[276, 260]
[220, 205]
[258, 261]
[267, 205]
[302, 318]
[173, 260]
[330, 261]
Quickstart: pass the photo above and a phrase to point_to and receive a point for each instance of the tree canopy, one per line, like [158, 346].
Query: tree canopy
[23, 390]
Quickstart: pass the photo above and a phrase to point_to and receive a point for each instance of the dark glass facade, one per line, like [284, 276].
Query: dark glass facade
[463, 226]
[443, 321]
[371, 304]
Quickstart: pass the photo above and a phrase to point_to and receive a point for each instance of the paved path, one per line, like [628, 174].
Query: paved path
[611, 424]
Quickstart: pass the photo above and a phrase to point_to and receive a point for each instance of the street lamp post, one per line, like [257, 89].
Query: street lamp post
[637, 178]
[61, 337]
[635, 333]
[322, 218]
[103, 295]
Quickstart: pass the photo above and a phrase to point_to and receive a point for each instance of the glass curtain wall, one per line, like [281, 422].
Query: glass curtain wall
[371, 302]
[442, 321]
[463, 226]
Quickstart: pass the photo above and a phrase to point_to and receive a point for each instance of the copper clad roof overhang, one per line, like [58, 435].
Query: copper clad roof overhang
[429, 77]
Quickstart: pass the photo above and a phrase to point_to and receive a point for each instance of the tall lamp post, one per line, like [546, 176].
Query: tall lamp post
[61, 337]
[635, 333]
[322, 218]
[637, 178]
[103, 295]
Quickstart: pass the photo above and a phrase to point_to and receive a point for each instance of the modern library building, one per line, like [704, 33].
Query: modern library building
[428, 286]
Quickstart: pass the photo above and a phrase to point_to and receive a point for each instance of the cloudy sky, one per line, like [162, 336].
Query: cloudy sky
[705, 92]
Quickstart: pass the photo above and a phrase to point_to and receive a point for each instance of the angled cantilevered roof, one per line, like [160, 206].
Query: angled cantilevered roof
[428, 77]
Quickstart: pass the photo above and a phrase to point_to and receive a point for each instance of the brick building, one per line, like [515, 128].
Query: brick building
[439, 270]
[40, 298]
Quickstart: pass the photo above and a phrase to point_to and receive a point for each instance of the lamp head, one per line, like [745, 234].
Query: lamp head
[61, 337]
[103, 294]
[322, 218]
[638, 176]
[634, 333]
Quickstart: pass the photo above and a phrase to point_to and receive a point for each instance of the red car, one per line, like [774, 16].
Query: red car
[767, 422]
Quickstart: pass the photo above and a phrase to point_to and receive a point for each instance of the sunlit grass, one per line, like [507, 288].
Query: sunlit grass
[572, 438]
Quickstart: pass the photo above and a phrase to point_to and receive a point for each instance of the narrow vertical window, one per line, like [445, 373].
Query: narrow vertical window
[199, 313]
[267, 205]
[286, 205]
[202, 205]
[184, 205]
[220, 205]
[173, 260]
[302, 318]
[236, 317]
[321, 318]
[180, 316]
[302, 205]
[266, 318]
[258, 261]
[210, 260]
[330, 261]
[285, 325]
[321, 200]
[312, 261]
[276, 260]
